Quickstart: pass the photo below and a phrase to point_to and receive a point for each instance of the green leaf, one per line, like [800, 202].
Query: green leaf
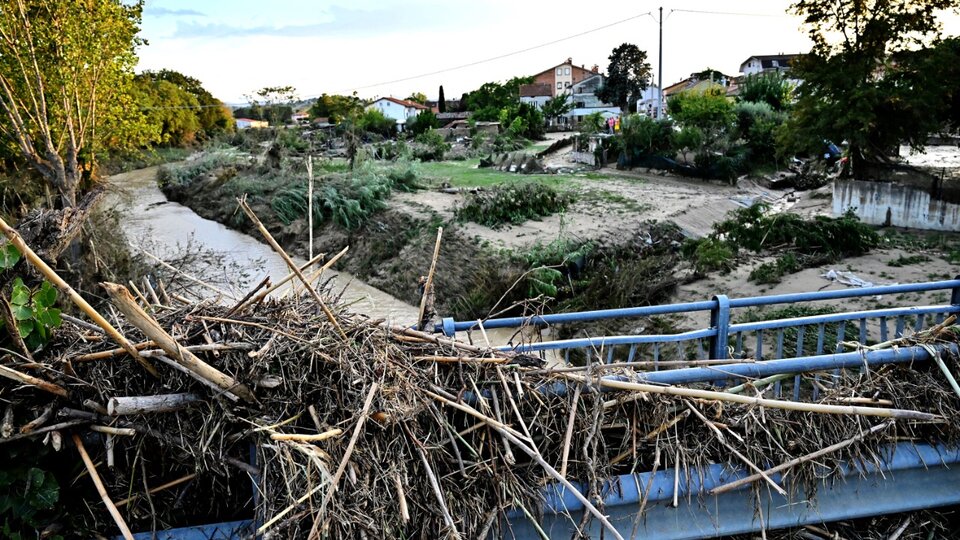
[46, 296]
[25, 327]
[20, 294]
[9, 255]
[49, 317]
[21, 313]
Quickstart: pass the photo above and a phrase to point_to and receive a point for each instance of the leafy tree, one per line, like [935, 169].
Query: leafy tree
[846, 95]
[757, 124]
[771, 88]
[274, 102]
[418, 97]
[423, 122]
[487, 101]
[556, 107]
[66, 72]
[214, 117]
[335, 107]
[628, 74]
[171, 112]
[593, 123]
[642, 136]
[374, 121]
[441, 101]
[707, 110]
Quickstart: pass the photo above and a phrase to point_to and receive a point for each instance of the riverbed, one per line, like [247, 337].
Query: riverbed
[166, 227]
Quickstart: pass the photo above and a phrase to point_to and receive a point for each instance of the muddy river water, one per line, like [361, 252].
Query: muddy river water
[147, 216]
[165, 227]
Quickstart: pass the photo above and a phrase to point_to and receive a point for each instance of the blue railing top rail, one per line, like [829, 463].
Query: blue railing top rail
[449, 326]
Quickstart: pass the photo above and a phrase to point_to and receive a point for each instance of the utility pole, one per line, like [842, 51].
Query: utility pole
[660, 69]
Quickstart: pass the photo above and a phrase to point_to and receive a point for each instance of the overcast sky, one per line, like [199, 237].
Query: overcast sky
[337, 46]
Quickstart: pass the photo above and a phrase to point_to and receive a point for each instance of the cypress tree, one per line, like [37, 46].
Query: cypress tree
[441, 102]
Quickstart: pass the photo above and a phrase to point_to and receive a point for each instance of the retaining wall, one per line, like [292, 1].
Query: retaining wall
[886, 203]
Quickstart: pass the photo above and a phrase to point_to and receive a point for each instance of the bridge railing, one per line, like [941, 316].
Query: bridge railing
[723, 340]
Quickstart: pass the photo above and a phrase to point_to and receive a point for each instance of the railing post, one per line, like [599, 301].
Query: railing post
[720, 321]
[955, 297]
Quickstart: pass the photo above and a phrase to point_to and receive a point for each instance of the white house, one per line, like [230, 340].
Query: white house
[767, 63]
[247, 123]
[400, 110]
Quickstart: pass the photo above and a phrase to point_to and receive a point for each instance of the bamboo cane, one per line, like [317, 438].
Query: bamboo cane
[760, 402]
[75, 297]
[151, 329]
[92, 469]
[15, 375]
[293, 266]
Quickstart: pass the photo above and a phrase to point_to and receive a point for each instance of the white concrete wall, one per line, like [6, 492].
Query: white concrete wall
[906, 206]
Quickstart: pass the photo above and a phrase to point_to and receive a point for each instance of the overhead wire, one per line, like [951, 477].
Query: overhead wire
[501, 56]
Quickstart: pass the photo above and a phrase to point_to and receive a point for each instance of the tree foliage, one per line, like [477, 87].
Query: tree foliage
[66, 73]
[171, 113]
[423, 122]
[487, 101]
[214, 117]
[336, 108]
[707, 110]
[441, 101]
[270, 103]
[418, 97]
[557, 107]
[771, 88]
[850, 91]
[628, 74]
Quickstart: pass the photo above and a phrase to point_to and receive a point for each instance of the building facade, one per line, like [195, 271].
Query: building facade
[562, 77]
[399, 110]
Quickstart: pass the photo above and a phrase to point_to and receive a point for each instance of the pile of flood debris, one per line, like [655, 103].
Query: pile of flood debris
[350, 427]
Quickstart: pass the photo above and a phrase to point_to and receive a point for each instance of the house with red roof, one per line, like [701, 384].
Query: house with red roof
[400, 110]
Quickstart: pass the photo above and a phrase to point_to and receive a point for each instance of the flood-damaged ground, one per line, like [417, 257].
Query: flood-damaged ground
[617, 244]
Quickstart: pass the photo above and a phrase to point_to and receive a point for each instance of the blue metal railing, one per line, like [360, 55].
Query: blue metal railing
[690, 345]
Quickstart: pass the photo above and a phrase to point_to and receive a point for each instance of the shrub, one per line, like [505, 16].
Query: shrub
[423, 122]
[641, 136]
[513, 203]
[187, 172]
[711, 255]
[373, 121]
[773, 272]
[430, 146]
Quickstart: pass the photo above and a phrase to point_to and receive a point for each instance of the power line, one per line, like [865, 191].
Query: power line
[730, 13]
[500, 57]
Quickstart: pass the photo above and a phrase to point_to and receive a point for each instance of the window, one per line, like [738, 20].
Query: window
[559, 85]
[559, 71]
[566, 71]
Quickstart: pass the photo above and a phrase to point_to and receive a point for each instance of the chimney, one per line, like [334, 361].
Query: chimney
[570, 61]
[595, 68]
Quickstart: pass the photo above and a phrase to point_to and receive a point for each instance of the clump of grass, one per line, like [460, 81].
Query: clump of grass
[710, 255]
[772, 272]
[513, 203]
[907, 260]
[187, 172]
[346, 199]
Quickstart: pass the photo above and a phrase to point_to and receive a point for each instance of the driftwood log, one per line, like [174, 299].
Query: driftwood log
[120, 406]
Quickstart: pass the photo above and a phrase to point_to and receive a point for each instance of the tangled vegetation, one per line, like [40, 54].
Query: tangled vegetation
[513, 203]
[807, 241]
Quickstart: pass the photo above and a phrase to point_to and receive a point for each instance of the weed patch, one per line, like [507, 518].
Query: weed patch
[772, 272]
[513, 203]
[907, 260]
